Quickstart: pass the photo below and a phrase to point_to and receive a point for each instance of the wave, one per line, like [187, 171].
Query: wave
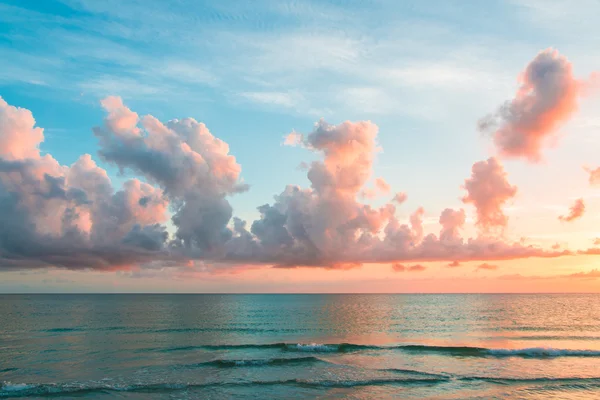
[300, 347]
[327, 348]
[256, 363]
[290, 347]
[543, 352]
[84, 329]
[10, 369]
[532, 352]
[456, 351]
[14, 390]
[60, 330]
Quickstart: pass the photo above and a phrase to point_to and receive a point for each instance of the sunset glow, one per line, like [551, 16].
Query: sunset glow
[295, 159]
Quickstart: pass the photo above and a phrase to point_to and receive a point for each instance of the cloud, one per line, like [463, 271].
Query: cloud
[382, 185]
[72, 217]
[488, 190]
[398, 267]
[453, 264]
[487, 267]
[451, 221]
[381, 188]
[594, 178]
[575, 211]
[326, 226]
[547, 97]
[592, 274]
[400, 197]
[20, 138]
[413, 268]
[193, 167]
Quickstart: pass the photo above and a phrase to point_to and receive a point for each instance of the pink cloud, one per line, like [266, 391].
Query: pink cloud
[293, 139]
[73, 217]
[451, 221]
[398, 267]
[413, 268]
[594, 178]
[592, 274]
[453, 264]
[382, 186]
[325, 226]
[575, 211]
[488, 267]
[547, 97]
[400, 197]
[70, 216]
[488, 190]
[20, 137]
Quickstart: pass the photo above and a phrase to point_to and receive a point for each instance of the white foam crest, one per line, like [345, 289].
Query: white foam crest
[15, 387]
[316, 347]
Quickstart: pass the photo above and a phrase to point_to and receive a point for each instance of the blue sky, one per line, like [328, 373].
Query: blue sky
[424, 72]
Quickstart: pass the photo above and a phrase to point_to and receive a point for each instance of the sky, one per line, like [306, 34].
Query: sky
[299, 146]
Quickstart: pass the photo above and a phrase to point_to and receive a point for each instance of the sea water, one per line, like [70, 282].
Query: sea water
[300, 346]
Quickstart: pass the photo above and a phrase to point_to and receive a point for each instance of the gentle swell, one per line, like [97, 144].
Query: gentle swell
[533, 352]
[257, 363]
[456, 351]
[26, 390]
[291, 347]
[56, 390]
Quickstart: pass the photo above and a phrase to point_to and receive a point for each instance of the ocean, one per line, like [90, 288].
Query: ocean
[354, 346]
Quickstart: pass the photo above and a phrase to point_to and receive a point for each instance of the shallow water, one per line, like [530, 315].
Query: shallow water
[300, 346]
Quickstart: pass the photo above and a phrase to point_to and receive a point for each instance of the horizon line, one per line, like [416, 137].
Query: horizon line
[291, 293]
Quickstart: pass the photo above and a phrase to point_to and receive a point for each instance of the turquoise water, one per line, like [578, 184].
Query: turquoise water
[300, 346]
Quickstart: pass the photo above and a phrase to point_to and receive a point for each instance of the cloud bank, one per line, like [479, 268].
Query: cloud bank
[73, 217]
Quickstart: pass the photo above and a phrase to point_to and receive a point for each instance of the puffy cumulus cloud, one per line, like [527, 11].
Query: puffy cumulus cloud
[400, 197]
[326, 225]
[547, 96]
[70, 216]
[488, 190]
[20, 138]
[451, 221]
[412, 268]
[193, 167]
[575, 211]
[487, 267]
